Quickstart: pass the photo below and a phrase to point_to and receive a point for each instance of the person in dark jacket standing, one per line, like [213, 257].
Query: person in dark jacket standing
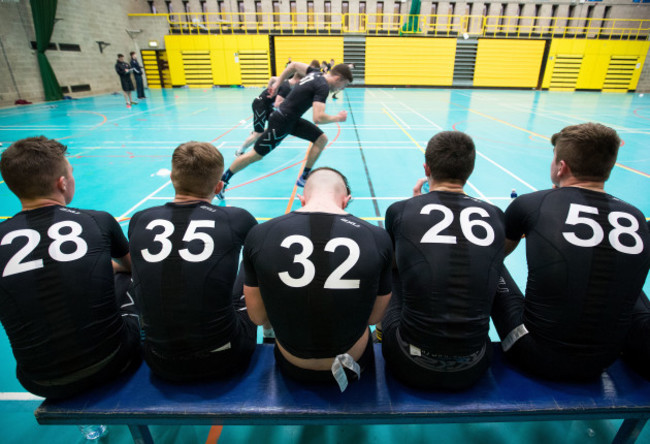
[137, 73]
[123, 69]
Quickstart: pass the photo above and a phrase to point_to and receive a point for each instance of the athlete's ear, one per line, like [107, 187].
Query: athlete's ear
[61, 184]
[302, 200]
[219, 187]
[427, 170]
[563, 170]
[346, 201]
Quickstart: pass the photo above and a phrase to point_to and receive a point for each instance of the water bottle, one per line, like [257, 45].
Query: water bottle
[425, 187]
[93, 432]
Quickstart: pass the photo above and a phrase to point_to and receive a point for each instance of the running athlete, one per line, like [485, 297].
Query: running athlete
[71, 324]
[319, 276]
[312, 91]
[263, 107]
[185, 257]
[449, 254]
[588, 257]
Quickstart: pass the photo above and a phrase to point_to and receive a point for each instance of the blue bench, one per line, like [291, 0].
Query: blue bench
[262, 396]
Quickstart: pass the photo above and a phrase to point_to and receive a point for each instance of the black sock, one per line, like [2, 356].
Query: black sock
[227, 175]
[305, 172]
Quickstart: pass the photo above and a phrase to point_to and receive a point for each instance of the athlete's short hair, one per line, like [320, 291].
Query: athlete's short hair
[345, 179]
[30, 166]
[131, 53]
[450, 156]
[120, 55]
[196, 168]
[342, 70]
[589, 149]
[315, 64]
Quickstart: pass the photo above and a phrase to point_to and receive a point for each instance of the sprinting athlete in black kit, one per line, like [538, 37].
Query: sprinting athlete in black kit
[588, 256]
[312, 91]
[449, 254]
[185, 257]
[263, 107]
[71, 324]
[320, 276]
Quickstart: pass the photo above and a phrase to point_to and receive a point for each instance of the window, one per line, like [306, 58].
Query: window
[204, 11]
[294, 13]
[310, 14]
[258, 12]
[276, 14]
[69, 47]
[396, 11]
[432, 17]
[362, 16]
[452, 8]
[79, 88]
[242, 12]
[380, 14]
[328, 13]
[186, 6]
[152, 7]
[170, 8]
[221, 8]
[345, 10]
[50, 47]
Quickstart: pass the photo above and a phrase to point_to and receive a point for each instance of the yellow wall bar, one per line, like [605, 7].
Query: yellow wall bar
[508, 62]
[410, 61]
[306, 49]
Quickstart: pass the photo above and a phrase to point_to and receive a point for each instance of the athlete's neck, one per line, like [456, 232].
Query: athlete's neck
[322, 205]
[187, 199]
[33, 204]
[451, 187]
[586, 184]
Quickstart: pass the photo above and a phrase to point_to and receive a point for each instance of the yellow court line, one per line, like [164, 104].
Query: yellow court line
[199, 111]
[487, 116]
[402, 128]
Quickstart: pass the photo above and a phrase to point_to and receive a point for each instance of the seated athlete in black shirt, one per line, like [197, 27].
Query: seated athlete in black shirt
[263, 107]
[588, 257]
[449, 253]
[320, 276]
[71, 323]
[185, 257]
[311, 91]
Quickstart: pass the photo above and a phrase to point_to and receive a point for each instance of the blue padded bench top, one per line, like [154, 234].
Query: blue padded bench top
[264, 396]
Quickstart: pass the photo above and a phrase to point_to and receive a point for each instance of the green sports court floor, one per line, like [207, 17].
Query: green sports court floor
[121, 159]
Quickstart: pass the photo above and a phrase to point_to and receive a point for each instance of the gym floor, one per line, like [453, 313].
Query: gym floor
[121, 159]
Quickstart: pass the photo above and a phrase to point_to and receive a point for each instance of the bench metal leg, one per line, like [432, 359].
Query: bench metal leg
[629, 431]
[141, 434]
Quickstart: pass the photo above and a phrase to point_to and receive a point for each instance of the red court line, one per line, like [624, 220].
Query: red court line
[240, 123]
[213, 436]
[91, 129]
[639, 115]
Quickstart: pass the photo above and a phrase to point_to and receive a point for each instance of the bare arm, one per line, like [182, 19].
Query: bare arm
[378, 310]
[417, 189]
[255, 305]
[290, 70]
[321, 117]
[511, 245]
[122, 264]
[278, 101]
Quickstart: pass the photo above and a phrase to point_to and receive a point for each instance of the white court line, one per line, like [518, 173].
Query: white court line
[506, 170]
[19, 396]
[395, 115]
[287, 198]
[371, 93]
[414, 111]
[143, 200]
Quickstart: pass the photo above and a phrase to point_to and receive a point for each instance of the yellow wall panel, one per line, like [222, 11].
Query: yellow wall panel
[409, 61]
[508, 62]
[305, 49]
[224, 54]
[596, 55]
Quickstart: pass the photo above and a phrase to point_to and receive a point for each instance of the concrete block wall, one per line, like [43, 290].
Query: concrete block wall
[83, 22]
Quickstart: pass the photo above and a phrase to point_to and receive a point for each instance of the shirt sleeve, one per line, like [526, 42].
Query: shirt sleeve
[391, 220]
[385, 278]
[321, 93]
[515, 219]
[109, 226]
[243, 222]
[284, 89]
[251, 244]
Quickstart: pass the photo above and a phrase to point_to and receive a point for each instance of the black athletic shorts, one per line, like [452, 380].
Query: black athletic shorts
[262, 109]
[280, 127]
